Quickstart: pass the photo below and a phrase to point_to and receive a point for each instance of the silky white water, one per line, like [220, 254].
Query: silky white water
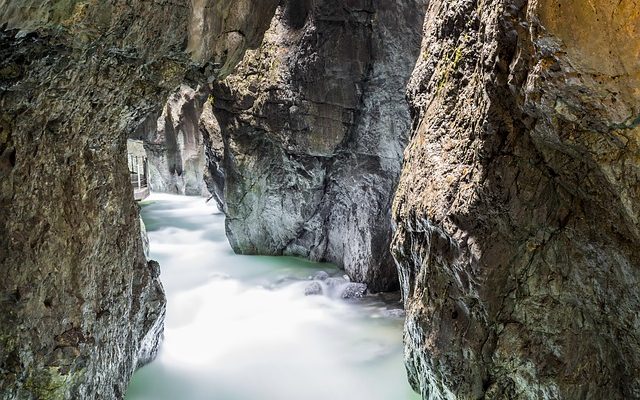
[241, 327]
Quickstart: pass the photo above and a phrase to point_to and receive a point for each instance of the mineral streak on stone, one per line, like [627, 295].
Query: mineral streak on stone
[314, 124]
[80, 306]
[518, 205]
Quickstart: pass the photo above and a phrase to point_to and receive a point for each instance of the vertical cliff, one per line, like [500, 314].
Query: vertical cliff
[80, 307]
[518, 206]
[175, 146]
[517, 211]
[314, 124]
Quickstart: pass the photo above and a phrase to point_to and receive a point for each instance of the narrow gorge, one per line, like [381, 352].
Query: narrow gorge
[481, 157]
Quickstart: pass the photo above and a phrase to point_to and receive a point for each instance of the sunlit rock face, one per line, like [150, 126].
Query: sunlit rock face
[518, 205]
[314, 124]
[80, 307]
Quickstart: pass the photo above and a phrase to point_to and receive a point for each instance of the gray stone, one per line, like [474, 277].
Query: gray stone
[175, 145]
[354, 290]
[314, 125]
[313, 289]
[320, 276]
[393, 313]
[335, 283]
[145, 238]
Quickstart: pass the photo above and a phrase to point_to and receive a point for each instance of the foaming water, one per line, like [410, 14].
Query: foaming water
[241, 327]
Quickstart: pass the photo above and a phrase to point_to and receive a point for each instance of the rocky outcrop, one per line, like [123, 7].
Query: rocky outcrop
[214, 153]
[80, 307]
[517, 212]
[184, 146]
[175, 146]
[314, 124]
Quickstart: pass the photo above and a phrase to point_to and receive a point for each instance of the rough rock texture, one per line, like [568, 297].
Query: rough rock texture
[518, 208]
[175, 146]
[80, 307]
[214, 153]
[314, 124]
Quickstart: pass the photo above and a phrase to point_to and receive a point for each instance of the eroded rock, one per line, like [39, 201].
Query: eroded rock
[80, 307]
[314, 125]
[175, 145]
[313, 289]
[354, 290]
[517, 210]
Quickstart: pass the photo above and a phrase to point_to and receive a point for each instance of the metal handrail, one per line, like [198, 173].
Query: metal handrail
[138, 171]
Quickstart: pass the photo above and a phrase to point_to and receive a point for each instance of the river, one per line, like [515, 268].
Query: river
[241, 327]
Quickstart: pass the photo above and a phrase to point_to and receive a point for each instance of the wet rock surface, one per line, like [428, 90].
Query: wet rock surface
[354, 290]
[214, 153]
[518, 207]
[337, 287]
[314, 124]
[80, 307]
[516, 217]
[313, 289]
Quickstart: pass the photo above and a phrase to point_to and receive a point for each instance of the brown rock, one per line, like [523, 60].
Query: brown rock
[517, 210]
[76, 79]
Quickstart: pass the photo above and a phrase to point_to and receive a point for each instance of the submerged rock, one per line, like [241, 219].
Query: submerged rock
[393, 313]
[334, 283]
[320, 276]
[354, 291]
[313, 289]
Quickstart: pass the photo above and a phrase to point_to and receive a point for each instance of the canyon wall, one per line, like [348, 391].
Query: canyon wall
[517, 210]
[314, 124]
[175, 146]
[80, 307]
[518, 207]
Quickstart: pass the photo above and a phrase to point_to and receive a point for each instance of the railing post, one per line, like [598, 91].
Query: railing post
[138, 168]
[146, 173]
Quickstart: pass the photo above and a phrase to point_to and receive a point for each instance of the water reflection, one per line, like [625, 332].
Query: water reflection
[241, 328]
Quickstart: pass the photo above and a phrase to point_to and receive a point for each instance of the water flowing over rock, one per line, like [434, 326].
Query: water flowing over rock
[80, 307]
[518, 207]
[515, 226]
[314, 124]
[336, 287]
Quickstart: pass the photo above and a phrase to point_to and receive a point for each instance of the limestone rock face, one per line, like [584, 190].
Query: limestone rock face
[517, 211]
[80, 307]
[175, 146]
[314, 124]
[214, 153]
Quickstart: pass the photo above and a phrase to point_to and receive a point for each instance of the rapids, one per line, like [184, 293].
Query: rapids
[241, 327]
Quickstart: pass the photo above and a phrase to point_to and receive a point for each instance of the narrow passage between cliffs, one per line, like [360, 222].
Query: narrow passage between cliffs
[242, 328]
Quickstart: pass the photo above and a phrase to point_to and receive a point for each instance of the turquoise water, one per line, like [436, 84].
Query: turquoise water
[241, 328]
